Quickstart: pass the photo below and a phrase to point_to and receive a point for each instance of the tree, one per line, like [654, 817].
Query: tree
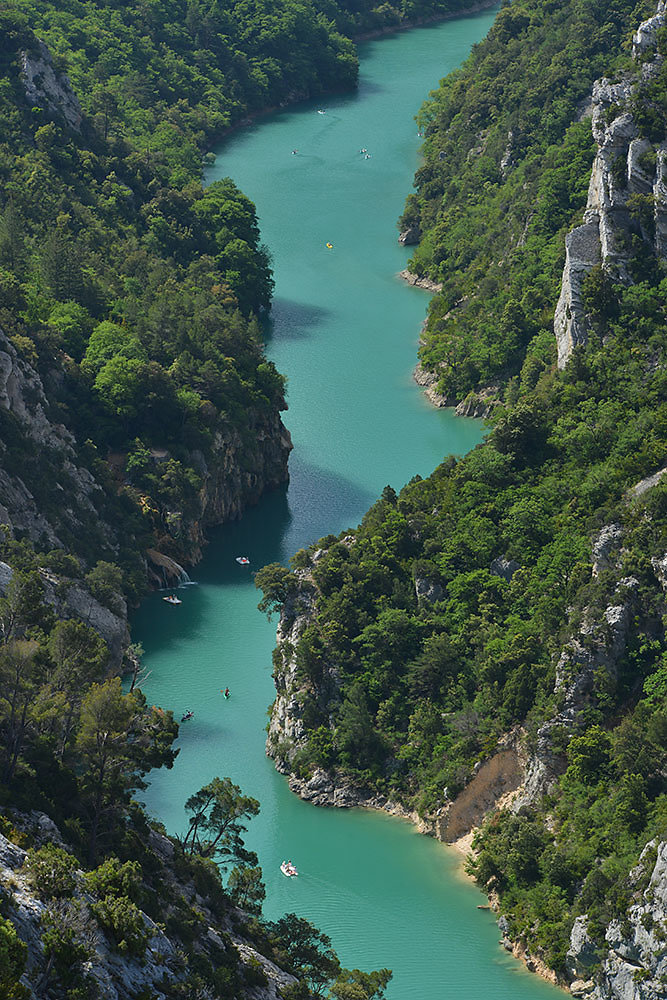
[22, 605]
[246, 888]
[79, 656]
[216, 824]
[353, 984]
[105, 582]
[22, 689]
[305, 951]
[276, 582]
[13, 954]
[118, 742]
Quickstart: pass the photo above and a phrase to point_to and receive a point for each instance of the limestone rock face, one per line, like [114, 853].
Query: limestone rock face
[427, 590]
[118, 976]
[582, 253]
[74, 600]
[47, 89]
[287, 732]
[605, 547]
[625, 167]
[410, 236]
[635, 964]
[582, 955]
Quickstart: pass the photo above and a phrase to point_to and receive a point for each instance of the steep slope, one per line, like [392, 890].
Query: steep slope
[493, 638]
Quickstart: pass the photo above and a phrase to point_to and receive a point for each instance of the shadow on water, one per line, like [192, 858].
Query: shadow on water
[290, 320]
[316, 502]
[322, 502]
[172, 627]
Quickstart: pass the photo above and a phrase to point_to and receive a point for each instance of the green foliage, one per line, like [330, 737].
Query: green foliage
[276, 583]
[216, 827]
[505, 176]
[113, 879]
[352, 984]
[246, 888]
[67, 940]
[304, 951]
[124, 923]
[13, 954]
[51, 871]
[118, 741]
[105, 582]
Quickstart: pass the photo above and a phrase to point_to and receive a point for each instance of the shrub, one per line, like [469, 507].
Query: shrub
[51, 872]
[124, 922]
[13, 955]
[113, 879]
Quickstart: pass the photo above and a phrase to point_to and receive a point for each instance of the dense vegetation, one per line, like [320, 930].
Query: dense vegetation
[136, 294]
[439, 623]
[115, 264]
[75, 746]
[505, 176]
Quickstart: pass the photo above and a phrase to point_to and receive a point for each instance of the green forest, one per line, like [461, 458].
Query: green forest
[440, 621]
[116, 263]
[505, 176]
[136, 294]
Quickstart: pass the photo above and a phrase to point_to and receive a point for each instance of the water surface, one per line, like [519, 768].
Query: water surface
[344, 330]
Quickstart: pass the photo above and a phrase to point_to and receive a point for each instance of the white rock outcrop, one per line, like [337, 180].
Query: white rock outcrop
[625, 167]
[47, 89]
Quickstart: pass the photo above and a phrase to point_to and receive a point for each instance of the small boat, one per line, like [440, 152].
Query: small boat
[320, 112]
[287, 868]
[243, 560]
[187, 716]
[172, 599]
[329, 246]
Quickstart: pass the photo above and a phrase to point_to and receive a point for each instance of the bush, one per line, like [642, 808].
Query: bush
[125, 924]
[51, 872]
[13, 954]
[113, 879]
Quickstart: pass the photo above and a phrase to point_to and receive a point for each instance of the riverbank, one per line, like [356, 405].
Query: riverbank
[298, 97]
[346, 380]
[322, 790]
[424, 22]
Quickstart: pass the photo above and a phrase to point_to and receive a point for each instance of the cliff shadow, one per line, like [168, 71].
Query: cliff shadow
[321, 502]
[290, 320]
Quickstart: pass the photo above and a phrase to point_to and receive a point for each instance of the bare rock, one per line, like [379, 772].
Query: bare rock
[49, 90]
[428, 591]
[582, 954]
[504, 567]
[410, 236]
[605, 547]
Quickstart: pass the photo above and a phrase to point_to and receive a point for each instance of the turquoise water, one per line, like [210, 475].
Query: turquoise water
[344, 330]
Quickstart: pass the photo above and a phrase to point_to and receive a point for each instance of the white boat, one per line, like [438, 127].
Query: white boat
[287, 868]
[243, 560]
[172, 599]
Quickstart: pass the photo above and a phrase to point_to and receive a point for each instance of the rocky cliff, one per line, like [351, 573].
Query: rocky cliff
[634, 964]
[627, 195]
[156, 969]
[242, 465]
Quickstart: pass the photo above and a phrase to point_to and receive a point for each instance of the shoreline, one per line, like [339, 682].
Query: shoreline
[368, 36]
[325, 793]
[425, 22]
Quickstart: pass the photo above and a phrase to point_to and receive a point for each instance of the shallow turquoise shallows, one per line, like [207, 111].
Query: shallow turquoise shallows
[345, 332]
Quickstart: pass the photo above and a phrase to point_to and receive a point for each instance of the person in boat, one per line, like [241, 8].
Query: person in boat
[187, 715]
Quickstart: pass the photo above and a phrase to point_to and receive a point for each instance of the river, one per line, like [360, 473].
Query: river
[344, 330]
